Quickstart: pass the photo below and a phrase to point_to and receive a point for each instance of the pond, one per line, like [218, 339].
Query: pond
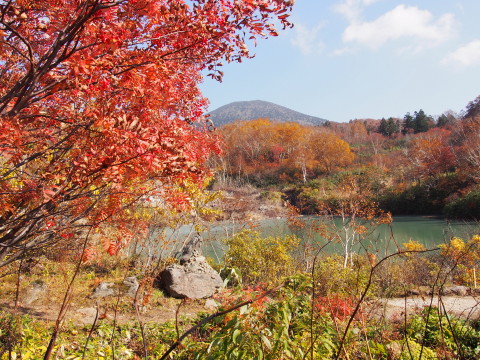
[384, 239]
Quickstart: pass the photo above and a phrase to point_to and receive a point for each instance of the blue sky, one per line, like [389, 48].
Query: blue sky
[348, 59]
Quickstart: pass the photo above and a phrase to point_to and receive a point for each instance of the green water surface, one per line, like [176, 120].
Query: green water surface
[383, 239]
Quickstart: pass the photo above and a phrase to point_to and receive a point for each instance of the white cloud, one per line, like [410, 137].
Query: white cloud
[464, 56]
[342, 51]
[352, 9]
[349, 8]
[402, 22]
[307, 39]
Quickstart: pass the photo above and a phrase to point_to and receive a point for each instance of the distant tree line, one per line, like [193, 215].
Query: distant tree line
[389, 127]
[417, 122]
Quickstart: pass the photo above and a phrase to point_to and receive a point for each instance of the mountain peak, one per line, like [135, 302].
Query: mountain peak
[255, 109]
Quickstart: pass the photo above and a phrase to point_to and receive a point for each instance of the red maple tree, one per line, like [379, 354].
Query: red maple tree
[99, 105]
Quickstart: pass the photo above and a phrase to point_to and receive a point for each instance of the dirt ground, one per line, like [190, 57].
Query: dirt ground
[465, 307]
[86, 313]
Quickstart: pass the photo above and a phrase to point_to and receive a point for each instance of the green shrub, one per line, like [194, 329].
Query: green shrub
[268, 329]
[304, 198]
[467, 207]
[264, 260]
[333, 278]
[10, 333]
[437, 330]
[406, 272]
[427, 197]
[412, 350]
[273, 196]
[27, 338]
[418, 199]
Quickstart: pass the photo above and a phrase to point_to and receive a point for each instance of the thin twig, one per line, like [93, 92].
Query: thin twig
[405, 319]
[90, 332]
[455, 338]
[312, 344]
[142, 331]
[177, 312]
[17, 290]
[429, 310]
[115, 313]
[66, 301]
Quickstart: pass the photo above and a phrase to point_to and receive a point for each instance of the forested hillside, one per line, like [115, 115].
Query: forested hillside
[413, 165]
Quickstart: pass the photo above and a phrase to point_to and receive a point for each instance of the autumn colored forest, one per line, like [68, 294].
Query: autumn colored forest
[106, 155]
[413, 165]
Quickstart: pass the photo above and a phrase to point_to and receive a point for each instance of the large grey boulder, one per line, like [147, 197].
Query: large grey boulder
[195, 279]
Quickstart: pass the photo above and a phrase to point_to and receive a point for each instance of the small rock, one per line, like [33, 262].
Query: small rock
[131, 283]
[104, 289]
[263, 208]
[36, 289]
[458, 290]
[414, 292]
[419, 291]
[475, 291]
[191, 249]
[211, 305]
